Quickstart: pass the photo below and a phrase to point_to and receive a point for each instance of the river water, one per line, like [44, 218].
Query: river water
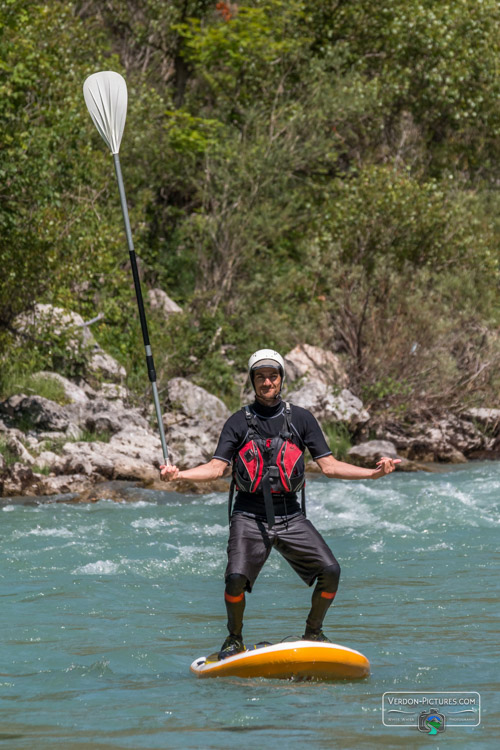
[104, 606]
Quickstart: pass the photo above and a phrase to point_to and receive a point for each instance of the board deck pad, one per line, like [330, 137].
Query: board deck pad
[299, 660]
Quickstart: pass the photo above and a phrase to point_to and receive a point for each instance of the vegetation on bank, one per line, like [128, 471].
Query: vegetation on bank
[296, 172]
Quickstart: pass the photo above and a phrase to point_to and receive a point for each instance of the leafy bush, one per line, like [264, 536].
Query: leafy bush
[295, 173]
[338, 438]
[33, 384]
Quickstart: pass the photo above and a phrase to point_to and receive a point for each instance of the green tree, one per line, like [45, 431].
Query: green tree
[58, 239]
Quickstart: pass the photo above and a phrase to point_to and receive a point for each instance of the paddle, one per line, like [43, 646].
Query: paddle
[106, 99]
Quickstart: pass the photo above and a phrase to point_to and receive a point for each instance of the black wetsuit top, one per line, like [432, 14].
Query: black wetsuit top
[306, 433]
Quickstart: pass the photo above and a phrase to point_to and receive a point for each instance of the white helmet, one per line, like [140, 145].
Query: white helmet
[266, 358]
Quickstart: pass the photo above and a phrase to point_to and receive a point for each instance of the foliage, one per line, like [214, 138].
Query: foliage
[296, 172]
[437, 61]
[9, 456]
[338, 438]
[34, 384]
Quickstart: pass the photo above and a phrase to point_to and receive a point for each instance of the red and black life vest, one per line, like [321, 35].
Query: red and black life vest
[268, 465]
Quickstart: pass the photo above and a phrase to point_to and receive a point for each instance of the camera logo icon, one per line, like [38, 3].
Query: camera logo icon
[431, 722]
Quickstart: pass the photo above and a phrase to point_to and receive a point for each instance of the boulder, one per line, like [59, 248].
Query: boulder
[101, 363]
[140, 443]
[100, 415]
[19, 479]
[447, 439]
[16, 447]
[159, 300]
[63, 484]
[196, 402]
[113, 391]
[73, 432]
[36, 412]
[45, 317]
[369, 453]
[89, 459]
[78, 338]
[328, 406]
[134, 453]
[186, 486]
[487, 419]
[8, 407]
[31, 442]
[74, 394]
[193, 442]
[46, 460]
[372, 451]
[313, 363]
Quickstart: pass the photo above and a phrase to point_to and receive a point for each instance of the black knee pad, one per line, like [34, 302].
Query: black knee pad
[235, 584]
[328, 579]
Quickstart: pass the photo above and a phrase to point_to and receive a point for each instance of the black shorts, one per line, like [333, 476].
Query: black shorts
[250, 543]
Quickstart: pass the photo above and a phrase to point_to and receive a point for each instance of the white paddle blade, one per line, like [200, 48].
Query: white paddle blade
[106, 99]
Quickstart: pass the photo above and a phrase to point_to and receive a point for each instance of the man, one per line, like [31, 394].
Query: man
[264, 443]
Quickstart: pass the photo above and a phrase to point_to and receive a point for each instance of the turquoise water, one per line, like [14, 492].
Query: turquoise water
[104, 607]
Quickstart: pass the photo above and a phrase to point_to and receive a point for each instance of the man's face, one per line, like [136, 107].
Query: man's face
[267, 383]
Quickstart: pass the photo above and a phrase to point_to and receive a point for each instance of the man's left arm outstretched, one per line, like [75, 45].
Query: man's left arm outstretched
[334, 469]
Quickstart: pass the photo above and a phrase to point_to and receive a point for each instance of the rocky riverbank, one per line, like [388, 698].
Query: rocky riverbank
[95, 436]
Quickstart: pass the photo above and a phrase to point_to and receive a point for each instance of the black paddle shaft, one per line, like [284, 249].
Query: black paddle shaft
[135, 271]
[140, 304]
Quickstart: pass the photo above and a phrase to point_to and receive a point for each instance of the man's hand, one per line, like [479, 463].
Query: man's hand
[340, 470]
[385, 466]
[168, 473]
[213, 469]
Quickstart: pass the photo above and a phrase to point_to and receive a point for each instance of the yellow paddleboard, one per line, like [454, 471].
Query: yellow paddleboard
[302, 660]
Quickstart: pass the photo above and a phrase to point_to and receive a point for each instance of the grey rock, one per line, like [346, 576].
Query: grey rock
[313, 363]
[46, 460]
[8, 408]
[19, 480]
[101, 415]
[88, 459]
[159, 300]
[89, 391]
[139, 443]
[133, 453]
[448, 439]
[373, 450]
[73, 432]
[195, 401]
[80, 340]
[14, 432]
[63, 484]
[132, 468]
[16, 447]
[113, 391]
[32, 443]
[328, 406]
[39, 412]
[51, 436]
[193, 442]
[488, 419]
[102, 363]
[73, 392]
[369, 453]
[44, 317]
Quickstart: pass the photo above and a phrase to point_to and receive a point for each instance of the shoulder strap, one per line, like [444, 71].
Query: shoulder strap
[247, 413]
[253, 427]
[287, 416]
